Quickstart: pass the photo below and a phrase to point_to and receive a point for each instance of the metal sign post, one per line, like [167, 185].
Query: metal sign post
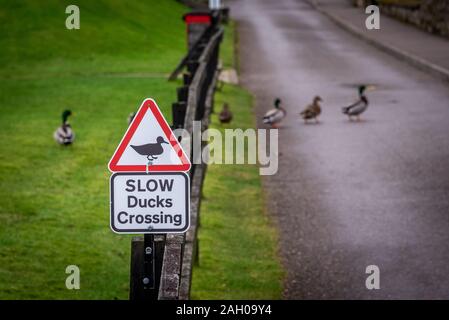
[149, 263]
[149, 195]
[149, 256]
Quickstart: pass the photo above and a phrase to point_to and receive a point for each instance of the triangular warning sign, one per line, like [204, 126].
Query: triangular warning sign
[149, 144]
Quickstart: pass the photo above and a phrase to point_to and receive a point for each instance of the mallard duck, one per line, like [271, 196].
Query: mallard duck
[131, 117]
[360, 106]
[313, 110]
[225, 115]
[275, 115]
[64, 134]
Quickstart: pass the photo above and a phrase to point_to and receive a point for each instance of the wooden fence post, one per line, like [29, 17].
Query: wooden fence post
[161, 266]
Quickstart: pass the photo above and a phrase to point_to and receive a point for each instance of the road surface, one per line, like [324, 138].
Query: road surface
[348, 195]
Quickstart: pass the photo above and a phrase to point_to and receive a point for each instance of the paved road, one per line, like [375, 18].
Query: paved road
[348, 195]
[410, 40]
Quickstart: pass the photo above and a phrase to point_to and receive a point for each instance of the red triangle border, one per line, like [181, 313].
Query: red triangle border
[148, 104]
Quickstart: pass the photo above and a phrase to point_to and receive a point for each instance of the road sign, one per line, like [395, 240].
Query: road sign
[149, 144]
[154, 202]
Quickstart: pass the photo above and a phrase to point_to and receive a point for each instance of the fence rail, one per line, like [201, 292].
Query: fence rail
[175, 254]
[184, 251]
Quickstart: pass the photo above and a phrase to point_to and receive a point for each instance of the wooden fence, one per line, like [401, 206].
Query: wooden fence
[173, 255]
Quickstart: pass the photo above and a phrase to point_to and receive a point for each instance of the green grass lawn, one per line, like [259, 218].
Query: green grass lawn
[54, 207]
[116, 36]
[238, 244]
[228, 46]
[237, 241]
[54, 201]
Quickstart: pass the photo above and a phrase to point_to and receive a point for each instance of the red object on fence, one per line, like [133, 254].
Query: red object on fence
[190, 18]
[196, 23]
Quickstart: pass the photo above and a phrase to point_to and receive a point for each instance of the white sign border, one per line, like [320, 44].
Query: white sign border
[151, 173]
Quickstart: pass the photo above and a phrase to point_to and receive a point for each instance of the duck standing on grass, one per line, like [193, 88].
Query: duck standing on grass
[275, 116]
[131, 117]
[360, 106]
[64, 134]
[312, 111]
[225, 115]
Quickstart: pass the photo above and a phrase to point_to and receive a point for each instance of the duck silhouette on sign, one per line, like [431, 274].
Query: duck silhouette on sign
[151, 150]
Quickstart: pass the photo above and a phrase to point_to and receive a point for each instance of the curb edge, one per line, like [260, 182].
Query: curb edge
[413, 60]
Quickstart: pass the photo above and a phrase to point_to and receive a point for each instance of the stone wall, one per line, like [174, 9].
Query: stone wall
[430, 15]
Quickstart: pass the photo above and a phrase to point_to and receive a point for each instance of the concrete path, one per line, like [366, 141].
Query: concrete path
[430, 52]
[348, 195]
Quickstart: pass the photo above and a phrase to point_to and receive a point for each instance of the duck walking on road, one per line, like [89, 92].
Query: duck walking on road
[360, 106]
[312, 111]
[64, 135]
[275, 115]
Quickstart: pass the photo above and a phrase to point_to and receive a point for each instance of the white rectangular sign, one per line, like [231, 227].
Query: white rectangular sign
[154, 202]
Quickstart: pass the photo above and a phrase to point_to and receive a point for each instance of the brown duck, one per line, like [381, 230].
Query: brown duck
[225, 115]
[312, 111]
